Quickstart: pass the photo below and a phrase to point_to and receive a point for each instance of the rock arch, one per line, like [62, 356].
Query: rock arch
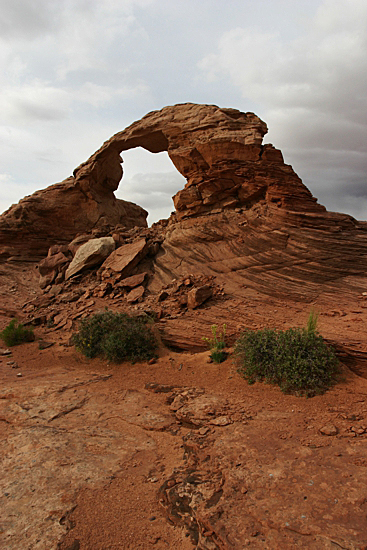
[220, 153]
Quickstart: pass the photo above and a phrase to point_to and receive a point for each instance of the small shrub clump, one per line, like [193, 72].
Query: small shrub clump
[116, 336]
[217, 344]
[15, 333]
[297, 359]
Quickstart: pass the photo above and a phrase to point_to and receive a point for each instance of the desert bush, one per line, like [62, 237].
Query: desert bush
[218, 356]
[297, 359]
[312, 321]
[217, 344]
[15, 333]
[116, 336]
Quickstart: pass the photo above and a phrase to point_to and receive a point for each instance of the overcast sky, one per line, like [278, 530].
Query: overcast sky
[74, 72]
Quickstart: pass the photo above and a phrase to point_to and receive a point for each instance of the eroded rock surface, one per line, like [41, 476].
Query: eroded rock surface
[220, 153]
[244, 215]
[58, 213]
[229, 464]
[90, 254]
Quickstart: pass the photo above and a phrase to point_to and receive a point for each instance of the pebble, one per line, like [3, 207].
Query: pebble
[19, 374]
[221, 421]
[329, 429]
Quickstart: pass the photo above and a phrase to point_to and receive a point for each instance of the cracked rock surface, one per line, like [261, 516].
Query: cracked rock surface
[177, 454]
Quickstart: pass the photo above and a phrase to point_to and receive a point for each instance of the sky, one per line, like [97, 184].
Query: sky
[75, 72]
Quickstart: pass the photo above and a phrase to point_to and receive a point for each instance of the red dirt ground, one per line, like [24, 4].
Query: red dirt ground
[118, 467]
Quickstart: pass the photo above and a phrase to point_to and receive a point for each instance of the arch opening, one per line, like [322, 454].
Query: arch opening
[150, 180]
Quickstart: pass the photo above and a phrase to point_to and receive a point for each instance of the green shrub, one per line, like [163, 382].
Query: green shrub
[217, 344]
[218, 356]
[116, 336]
[298, 360]
[312, 321]
[15, 333]
[218, 341]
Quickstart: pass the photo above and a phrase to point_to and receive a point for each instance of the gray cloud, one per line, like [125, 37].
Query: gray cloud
[152, 191]
[314, 92]
[74, 72]
[26, 20]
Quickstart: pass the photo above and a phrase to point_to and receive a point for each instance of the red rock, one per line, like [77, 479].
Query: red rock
[79, 204]
[219, 152]
[119, 240]
[90, 254]
[329, 429]
[183, 300]
[197, 296]
[135, 294]
[49, 268]
[163, 296]
[133, 281]
[125, 258]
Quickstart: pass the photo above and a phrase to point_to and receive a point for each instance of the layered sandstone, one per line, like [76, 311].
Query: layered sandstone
[60, 212]
[244, 215]
[219, 152]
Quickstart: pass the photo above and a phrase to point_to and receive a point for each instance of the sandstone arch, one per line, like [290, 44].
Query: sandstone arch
[220, 153]
[228, 170]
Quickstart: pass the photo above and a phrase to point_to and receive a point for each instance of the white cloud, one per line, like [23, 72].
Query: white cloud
[26, 20]
[36, 100]
[150, 180]
[98, 95]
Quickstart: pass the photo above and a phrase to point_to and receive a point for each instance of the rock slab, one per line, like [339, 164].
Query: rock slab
[125, 258]
[90, 254]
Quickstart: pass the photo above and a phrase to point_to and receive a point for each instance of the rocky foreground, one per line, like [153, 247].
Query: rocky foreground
[181, 453]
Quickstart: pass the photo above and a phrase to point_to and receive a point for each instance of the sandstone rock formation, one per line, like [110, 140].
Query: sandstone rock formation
[90, 254]
[124, 259]
[244, 216]
[60, 212]
[55, 264]
[219, 152]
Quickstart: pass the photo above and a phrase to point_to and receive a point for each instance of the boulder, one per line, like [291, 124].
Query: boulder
[133, 281]
[135, 294]
[197, 296]
[329, 429]
[51, 266]
[78, 242]
[90, 254]
[125, 258]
